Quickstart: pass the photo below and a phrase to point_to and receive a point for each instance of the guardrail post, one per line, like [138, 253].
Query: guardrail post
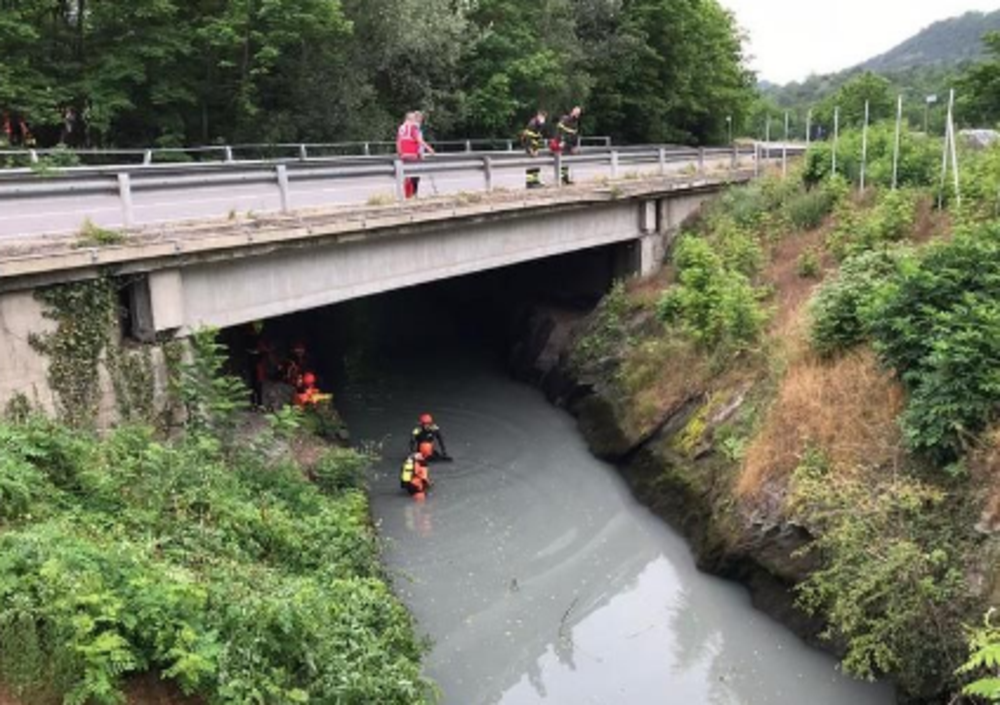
[147, 157]
[756, 158]
[400, 180]
[557, 161]
[510, 145]
[735, 163]
[303, 152]
[282, 172]
[125, 194]
[662, 156]
[368, 150]
[614, 163]
[468, 146]
[701, 161]
[33, 155]
[229, 154]
[488, 171]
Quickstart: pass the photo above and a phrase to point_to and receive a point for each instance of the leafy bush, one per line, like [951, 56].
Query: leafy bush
[239, 580]
[839, 310]
[984, 661]
[808, 265]
[807, 210]
[890, 584]
[937, 323]
[919, 162]
[340, 469]
[717, 306]
[890, 221]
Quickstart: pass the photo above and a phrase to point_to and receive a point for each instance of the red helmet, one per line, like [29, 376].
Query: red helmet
[426, 419]
[309, 379]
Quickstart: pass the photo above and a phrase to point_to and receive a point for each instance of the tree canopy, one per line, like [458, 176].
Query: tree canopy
[169, 72]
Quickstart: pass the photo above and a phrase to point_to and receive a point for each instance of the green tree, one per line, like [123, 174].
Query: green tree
[979, 86]
[673, 70]
[851, 98]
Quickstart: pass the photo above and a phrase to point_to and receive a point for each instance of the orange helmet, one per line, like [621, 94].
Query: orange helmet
[426, 419]
[309, 379]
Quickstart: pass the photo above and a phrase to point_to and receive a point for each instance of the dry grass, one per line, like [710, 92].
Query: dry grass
[846, 408]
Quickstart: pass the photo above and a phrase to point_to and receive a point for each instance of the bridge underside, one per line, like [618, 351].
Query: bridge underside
[243, 289]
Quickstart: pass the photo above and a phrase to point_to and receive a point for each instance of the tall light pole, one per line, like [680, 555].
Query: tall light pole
[929, 101]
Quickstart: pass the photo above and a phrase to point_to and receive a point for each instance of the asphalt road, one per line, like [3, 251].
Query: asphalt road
[31, 216]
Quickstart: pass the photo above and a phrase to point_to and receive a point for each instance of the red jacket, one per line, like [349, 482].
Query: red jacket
[408, 141]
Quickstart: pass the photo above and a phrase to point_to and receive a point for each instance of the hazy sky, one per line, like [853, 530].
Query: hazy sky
[789, 39]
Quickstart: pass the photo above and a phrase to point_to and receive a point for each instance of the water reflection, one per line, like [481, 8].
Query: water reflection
[540, 579]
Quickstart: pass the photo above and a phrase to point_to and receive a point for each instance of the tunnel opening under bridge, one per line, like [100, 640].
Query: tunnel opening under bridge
[490, 312]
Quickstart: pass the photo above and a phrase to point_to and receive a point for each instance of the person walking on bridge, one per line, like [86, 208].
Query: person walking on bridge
[411, 147]
[533, 140]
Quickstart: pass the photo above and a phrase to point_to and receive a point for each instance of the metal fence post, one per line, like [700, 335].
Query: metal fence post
[282, 171]
[468, 146]
[661, 155]
[303, 152]
[33, 155]
[614, 163]
[510, 145]
[229, 154]
[735, 162]
[400, 180]
[125, 194]
[756, 158]
[488, 171]
[557, 160]
[368, 150]
[147, 157]
[701, 161]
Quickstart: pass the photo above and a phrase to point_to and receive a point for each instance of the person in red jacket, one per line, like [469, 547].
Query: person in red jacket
[411, 147]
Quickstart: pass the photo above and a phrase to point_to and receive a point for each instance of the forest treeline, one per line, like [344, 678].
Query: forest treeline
[172, 72]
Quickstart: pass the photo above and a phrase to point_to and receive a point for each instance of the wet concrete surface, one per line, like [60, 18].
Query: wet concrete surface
[539, 578]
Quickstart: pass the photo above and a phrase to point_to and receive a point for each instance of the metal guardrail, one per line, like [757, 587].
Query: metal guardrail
[57, 190]
[252, 152]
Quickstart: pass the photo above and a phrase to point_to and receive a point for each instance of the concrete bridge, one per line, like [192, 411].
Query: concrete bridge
[180, 277]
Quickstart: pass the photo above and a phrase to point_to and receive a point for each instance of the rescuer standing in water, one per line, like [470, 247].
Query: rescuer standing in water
[428, 439]
[414, 477]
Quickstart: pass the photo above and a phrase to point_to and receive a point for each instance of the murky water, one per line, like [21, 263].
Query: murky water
[540, 579]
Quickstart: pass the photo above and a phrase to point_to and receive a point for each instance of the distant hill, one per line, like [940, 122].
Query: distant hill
[947, 43]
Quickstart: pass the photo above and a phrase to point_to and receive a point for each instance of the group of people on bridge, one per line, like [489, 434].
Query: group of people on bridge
[412, 146]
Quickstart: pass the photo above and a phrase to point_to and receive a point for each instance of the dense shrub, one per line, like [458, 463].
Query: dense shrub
[716, 305]
[919, 162]
[839, 311]
[889, 221]
[890, 584]
[807, 210]
[236, 578]
[937, 323]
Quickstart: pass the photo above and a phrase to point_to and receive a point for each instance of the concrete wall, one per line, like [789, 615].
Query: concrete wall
[22, 369]
[242, 290]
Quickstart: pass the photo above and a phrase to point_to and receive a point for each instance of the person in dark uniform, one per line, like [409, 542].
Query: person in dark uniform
[533, 140]
[569, 137]
[428, 439]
